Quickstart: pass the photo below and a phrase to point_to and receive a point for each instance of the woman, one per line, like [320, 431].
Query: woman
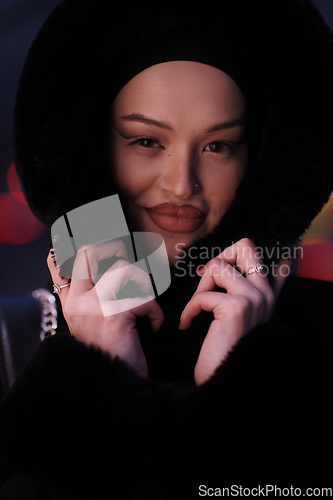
[136, 404]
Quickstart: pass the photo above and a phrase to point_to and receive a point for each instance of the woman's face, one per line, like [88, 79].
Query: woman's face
[178, 149]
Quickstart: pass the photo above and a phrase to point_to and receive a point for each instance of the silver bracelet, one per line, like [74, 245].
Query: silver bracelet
[49, 315]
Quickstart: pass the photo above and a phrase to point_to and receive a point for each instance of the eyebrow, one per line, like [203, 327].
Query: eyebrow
[228, 124]
[137, 117]
[149, 121]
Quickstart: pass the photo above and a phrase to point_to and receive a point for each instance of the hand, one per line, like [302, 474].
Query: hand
[94, 314]
[248, 302]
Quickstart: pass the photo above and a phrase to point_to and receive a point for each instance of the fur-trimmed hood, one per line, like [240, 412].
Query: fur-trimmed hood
[74, 70]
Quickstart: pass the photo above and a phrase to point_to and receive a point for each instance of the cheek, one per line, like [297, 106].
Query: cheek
[131, 175]
[225, 182]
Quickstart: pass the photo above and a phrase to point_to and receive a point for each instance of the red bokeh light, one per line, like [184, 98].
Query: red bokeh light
[317, 260]
[14, 184]
[18, 225]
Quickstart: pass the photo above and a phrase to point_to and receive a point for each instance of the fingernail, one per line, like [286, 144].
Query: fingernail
[200, 269]
[53, 257]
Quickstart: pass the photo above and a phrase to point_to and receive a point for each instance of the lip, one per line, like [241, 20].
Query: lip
[175, 218]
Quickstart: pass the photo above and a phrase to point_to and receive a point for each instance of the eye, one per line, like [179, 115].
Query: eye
[146, 142]
[217, 147]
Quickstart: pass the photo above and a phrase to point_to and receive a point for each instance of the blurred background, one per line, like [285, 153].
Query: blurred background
[24, 242]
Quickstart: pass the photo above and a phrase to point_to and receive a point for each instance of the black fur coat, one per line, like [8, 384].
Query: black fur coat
[78, 424]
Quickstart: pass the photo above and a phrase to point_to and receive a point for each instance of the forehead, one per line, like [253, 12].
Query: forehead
[181, 91]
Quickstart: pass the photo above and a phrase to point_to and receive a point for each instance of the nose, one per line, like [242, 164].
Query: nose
[179, 177]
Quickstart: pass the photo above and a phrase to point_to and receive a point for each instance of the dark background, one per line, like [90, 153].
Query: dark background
[24, 243]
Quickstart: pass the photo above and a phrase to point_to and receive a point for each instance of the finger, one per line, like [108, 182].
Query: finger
[138, 306]
[118, 276]
[220, 273]
[151, 309]
[243, 254]
[218, 342]
[255, 287]
[56, 278]
[85, 267]
[246, 257]
[203, 301]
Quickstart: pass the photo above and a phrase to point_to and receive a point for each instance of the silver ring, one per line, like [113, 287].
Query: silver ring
[258, 267]
[57, 288]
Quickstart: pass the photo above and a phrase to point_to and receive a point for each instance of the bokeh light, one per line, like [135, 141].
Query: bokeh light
[18, 225]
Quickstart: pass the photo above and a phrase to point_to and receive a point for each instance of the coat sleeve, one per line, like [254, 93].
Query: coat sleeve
[77, 419]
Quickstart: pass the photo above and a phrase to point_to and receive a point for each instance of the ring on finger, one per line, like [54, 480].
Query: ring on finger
[256, 269]
[57, 288]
